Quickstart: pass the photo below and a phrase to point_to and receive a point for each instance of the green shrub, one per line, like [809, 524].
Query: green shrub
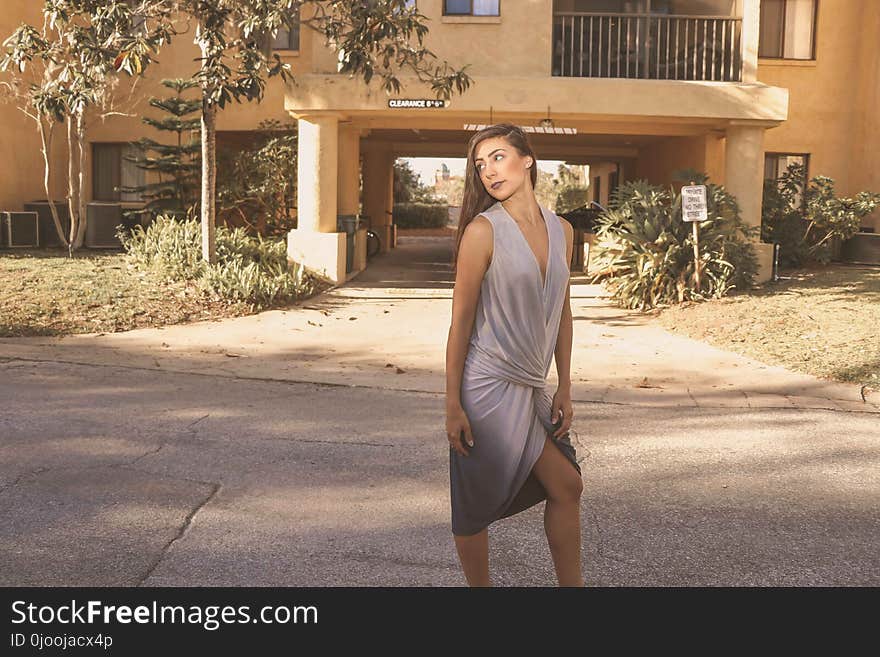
[259, 181]
[782, 219]
[644, 250]
[421, 215]
[169, 247]
[248, 269]
[807, 219]
[572, 197]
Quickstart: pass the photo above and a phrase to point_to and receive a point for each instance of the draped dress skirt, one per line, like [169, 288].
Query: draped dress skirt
[503, 390]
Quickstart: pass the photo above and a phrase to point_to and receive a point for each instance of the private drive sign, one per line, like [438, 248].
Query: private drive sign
[695, 210]
[693, 203]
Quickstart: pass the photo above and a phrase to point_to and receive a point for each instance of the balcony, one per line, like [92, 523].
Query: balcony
[647, 46]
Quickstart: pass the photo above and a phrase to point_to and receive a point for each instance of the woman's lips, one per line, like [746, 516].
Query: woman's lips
[498, 184]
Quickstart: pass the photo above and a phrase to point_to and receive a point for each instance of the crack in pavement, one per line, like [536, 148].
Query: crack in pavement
[117, 464]
[214, 486]
[187, 522]
[195, 422]
[21, 476]
[189, 429]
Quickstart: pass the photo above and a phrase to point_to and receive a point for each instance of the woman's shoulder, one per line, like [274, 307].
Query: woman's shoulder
[480, 227]
[489, 212]
[566, 225]
[485, 217]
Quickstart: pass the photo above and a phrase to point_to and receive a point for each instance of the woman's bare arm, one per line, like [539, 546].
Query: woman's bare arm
[566, 329]
[475, 253]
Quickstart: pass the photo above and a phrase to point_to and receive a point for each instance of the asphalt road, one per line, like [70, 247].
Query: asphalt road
[126, 475]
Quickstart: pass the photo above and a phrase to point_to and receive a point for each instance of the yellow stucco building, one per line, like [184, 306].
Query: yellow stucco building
[634, 88]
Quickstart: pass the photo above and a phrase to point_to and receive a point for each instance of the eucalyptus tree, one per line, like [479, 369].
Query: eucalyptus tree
[66, 70]
[371, 37]
[83, 42]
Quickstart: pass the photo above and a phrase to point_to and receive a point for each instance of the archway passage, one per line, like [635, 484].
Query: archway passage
[346, 169]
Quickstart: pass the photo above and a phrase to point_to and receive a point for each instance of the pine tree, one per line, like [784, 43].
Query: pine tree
[177, 164]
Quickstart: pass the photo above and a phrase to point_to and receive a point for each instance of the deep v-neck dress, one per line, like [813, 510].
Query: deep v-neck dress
[503, 389]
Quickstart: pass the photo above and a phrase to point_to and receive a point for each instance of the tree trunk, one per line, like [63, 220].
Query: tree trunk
[46, 141]
[209, 180]
[81, 179]
[72, 186]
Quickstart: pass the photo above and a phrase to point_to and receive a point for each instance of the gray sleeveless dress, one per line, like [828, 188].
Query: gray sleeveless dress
[503, 389]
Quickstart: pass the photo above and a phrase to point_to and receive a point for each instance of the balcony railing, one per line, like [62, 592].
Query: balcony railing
[647, 46]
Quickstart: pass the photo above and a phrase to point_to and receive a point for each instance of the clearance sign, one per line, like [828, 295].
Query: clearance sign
[418, 103]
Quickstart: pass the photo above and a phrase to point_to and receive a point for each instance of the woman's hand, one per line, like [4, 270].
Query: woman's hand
[457, 424]
[561, 405]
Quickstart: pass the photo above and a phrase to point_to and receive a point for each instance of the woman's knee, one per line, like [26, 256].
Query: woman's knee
[569, 490]
[559, 477]
[566, 487]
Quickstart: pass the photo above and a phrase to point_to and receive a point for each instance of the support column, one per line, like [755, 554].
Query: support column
[379, 192]
[751, 20]
[315, 242]
[348, 190]
[744, 179]
[390, 228]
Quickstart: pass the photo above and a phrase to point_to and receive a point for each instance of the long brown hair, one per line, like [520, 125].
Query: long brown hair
[475, 198]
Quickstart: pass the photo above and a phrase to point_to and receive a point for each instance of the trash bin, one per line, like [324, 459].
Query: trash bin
[348, 224]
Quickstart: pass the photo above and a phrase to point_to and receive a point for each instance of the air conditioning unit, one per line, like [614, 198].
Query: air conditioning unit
[862, 248]
[101, 222]
[48, 234]
[20, 229]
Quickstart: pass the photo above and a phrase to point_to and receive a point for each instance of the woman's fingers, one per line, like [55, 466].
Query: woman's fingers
[565, 426]
[460, 442]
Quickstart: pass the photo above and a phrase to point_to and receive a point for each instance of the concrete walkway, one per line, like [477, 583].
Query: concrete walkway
[307, 447]
[388, 328]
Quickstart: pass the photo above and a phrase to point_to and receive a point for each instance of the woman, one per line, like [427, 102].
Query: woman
[508, 439]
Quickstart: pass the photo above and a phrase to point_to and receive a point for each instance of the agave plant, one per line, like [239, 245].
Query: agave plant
[644, 250]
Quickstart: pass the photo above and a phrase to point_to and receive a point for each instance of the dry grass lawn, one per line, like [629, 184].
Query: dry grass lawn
[45, 292]
[823, 321]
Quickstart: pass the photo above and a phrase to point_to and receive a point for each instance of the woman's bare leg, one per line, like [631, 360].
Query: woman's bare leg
[562, 518]
[473, 552]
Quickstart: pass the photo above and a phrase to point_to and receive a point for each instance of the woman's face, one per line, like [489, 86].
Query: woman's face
[500, 166]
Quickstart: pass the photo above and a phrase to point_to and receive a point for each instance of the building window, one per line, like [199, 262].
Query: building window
[788, 29]
[471, 8]
[776, 164]
[597, 189]
[286, 39]
[138, 21]
[111, 170]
